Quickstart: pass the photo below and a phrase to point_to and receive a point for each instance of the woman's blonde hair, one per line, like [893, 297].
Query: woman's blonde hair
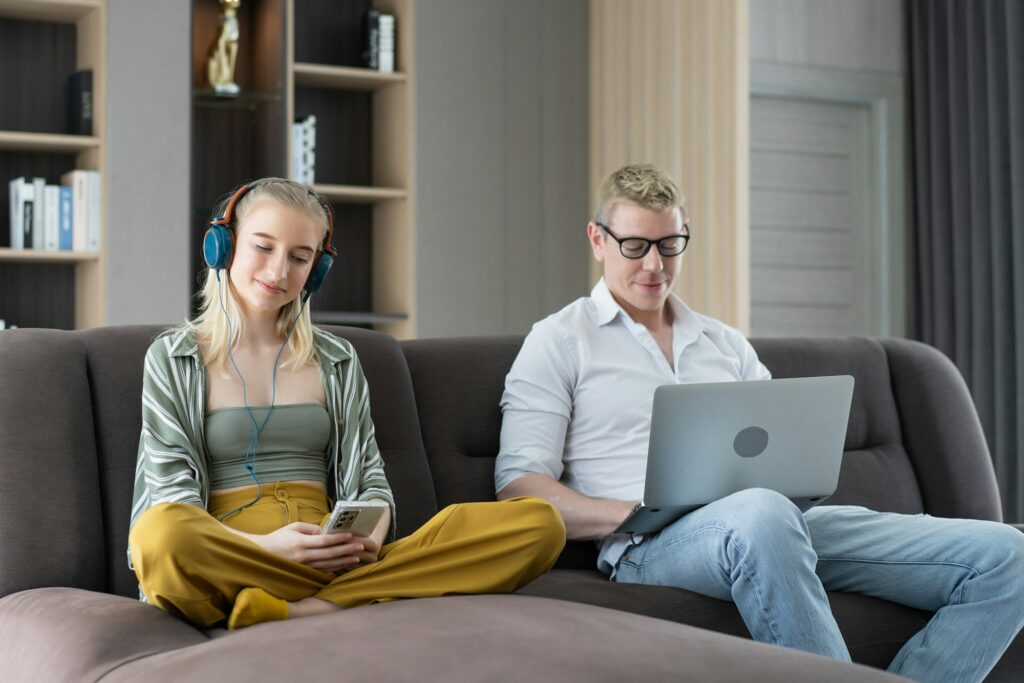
[211, 326]
[645, 185]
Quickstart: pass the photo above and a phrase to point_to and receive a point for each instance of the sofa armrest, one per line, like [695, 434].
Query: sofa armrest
[68, 634]
[51, 525]
[942, 433]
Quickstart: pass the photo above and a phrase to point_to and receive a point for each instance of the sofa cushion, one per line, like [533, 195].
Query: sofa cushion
[484, 638]
[874, 629]
[877, 471]
[458, 384]
[51, 523]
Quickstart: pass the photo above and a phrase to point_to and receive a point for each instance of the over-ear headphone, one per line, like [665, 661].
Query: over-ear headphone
[219, 244]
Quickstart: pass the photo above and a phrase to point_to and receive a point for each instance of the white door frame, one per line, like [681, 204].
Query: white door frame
[883, 94]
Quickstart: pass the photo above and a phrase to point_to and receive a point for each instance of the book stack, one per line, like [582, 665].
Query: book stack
[56, 217]
[302, 167]
[380, 41]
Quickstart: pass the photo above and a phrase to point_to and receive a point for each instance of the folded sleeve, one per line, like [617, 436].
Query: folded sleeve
[165, 470]
[536, 406]
[360, 437]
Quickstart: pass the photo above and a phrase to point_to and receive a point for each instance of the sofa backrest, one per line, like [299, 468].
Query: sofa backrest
[914, 443]
[70, 416]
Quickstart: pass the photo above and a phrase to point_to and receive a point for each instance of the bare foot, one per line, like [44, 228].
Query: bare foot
[308, 607]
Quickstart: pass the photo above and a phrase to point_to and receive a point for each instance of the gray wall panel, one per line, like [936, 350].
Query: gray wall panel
[501, 163]
[865, 35]
[148, 89]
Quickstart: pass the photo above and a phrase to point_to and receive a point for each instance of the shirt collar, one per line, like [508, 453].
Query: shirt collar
[686, 323]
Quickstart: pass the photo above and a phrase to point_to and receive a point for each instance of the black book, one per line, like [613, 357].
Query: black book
[371, 57]
[80, 103]
[27, 228]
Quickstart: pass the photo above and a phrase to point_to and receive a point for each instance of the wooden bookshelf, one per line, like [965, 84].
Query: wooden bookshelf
[55, 39]
[359, 195]
[47, 142]
[60, 11]
[303, 57]
[343, 77]
[8, 255]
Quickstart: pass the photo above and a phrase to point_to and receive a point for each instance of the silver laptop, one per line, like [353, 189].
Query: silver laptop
[711, 440]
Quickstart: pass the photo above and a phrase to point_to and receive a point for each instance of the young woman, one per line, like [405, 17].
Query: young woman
[254, 421]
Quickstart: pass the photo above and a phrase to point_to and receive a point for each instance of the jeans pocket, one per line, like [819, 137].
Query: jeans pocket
[631, 562]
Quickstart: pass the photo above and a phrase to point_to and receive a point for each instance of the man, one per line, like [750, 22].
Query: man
[577, 414]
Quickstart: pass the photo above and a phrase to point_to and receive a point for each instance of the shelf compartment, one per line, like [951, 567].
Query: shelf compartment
[66, 11]
[8, 255]
[47, 142]
[355, 194]
[343, 77]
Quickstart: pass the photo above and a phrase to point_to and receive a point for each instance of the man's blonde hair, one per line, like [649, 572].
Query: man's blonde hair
[211, 325]
[645, 185]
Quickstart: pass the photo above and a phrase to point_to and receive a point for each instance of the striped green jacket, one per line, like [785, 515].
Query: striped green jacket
[172, 460]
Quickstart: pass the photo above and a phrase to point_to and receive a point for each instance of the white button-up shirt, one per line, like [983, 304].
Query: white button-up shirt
[578, 399]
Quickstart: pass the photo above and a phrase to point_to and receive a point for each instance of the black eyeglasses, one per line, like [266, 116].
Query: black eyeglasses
[637, 247]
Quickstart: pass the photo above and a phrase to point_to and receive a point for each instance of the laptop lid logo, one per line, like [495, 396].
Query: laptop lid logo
[750, 442]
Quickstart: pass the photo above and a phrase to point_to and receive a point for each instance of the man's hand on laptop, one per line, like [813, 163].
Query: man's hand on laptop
[585, 518]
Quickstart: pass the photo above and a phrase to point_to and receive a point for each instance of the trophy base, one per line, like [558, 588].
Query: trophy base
[226, 89]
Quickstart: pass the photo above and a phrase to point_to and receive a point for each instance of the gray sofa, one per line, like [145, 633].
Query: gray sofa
[69, 425]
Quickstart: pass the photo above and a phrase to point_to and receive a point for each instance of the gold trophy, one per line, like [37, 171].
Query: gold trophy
[220, 67]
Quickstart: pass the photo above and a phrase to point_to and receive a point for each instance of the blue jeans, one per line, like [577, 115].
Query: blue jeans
[756, 549]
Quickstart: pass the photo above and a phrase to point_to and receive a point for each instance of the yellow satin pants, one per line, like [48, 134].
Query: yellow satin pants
[188, 564]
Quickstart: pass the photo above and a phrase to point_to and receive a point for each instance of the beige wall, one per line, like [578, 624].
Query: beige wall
[669, 85]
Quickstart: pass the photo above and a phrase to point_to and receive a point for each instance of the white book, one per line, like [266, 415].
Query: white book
[296, 171]
[51, 217]
[76, 180]
[22, 196]
[387, 43]
[309, 149]
[38, 224]
[95, 204]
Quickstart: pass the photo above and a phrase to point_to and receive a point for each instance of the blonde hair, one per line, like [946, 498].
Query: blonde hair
[211, 325]
[645, 185]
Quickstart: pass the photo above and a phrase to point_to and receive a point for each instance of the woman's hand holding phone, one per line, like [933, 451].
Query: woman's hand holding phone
[304, 543]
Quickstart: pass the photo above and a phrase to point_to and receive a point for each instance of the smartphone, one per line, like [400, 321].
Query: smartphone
[358, 517]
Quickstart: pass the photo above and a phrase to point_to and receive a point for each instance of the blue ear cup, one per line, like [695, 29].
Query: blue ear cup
[217, 244]
[319, 272]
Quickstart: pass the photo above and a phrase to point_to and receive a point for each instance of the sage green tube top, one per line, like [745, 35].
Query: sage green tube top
[292, 446]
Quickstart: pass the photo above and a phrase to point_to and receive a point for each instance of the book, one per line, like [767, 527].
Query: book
[65, 218]
[94, 204]
[51, 217]
[80, 101]
[296, 172]
[309, 150]
[38, 228]
[78, 183]
[371, 55]
[22, 192]
[386, 43]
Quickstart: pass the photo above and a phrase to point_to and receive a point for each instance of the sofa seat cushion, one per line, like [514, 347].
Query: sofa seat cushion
[874, 629]
[482, 638]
